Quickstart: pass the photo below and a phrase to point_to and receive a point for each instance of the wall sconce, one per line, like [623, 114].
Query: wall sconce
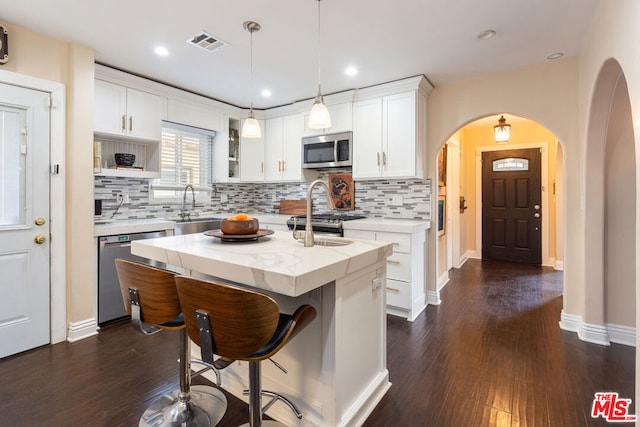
[502, 131]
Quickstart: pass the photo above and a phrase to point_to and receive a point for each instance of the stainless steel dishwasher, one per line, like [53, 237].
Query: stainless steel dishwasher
[110, 304]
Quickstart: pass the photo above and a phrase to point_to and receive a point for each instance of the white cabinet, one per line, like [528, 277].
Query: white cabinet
[406, 278]
[252, 157]
[389, 136]
[341, 119]
[195, 114]
[283, 148]
[127, 112]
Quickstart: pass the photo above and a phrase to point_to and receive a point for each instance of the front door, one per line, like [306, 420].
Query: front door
[24, 219]
[511, 206]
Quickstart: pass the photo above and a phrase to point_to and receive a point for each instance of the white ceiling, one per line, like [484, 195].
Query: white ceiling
[386, 40]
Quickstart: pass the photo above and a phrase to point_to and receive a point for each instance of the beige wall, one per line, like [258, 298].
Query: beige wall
[546, 94]
[37, 55]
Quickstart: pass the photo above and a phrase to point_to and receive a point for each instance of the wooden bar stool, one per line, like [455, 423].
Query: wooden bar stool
[240, 324]
[150, 297]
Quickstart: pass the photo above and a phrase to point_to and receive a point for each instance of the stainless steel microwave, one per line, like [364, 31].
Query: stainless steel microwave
[327, 151]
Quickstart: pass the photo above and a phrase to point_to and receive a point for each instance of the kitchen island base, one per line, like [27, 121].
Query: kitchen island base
[337, 366]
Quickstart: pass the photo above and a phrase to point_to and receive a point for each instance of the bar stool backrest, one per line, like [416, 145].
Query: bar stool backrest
[159, 302]
[241, 321]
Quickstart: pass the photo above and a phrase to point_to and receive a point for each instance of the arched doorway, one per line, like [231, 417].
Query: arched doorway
[610, 211]
[469, 142]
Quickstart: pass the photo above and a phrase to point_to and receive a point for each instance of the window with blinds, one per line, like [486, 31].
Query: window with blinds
[187, 158]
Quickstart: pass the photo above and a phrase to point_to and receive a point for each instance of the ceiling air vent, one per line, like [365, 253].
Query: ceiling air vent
[206, 41]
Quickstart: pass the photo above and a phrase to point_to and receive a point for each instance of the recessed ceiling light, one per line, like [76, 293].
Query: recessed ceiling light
[162, 51]
[351, 70]
[555, 55]
[486, 34]
[266, 93]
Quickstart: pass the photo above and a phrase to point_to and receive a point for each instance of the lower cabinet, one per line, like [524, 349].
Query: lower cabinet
[406, 276]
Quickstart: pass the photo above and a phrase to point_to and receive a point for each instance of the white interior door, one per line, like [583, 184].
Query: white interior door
[24, 219]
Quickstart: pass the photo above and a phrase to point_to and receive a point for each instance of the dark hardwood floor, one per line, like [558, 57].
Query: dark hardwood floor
[491, 355]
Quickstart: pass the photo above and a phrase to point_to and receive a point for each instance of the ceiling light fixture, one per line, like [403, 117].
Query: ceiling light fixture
[486, 34]
[162, 51]
[266, 93]
[319, 116]
[502, 131]
[556, 55]
[251, 127]
[351, 71]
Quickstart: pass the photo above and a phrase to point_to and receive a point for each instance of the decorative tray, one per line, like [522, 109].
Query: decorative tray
[237, 237]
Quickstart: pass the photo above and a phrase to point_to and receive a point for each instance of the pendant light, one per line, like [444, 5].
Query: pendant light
[319, 116]
[251, 127]
[502, 131]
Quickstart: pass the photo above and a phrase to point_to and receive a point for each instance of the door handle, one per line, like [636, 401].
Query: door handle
[40, 221]
[40, 239]
[536, 215]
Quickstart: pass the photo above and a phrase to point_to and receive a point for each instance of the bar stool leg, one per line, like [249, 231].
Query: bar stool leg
[197, 406]
[255, 399]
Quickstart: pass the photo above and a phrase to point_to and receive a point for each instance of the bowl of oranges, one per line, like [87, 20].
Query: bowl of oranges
[239, 224]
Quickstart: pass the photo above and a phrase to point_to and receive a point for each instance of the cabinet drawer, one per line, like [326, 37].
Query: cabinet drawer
[360, 234]
[399, 267]
[401, 242]
[398, 294]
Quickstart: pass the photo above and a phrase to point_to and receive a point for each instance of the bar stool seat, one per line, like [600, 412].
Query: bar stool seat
[240, 324]
[150, 296]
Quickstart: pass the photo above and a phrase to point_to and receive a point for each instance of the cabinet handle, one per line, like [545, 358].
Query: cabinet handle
[279, 165]
[283, 167]
[261, 167]
[393, 289]
[393, 261]
[378, 156]
[384, 158]
[124, 123]
[130, 123]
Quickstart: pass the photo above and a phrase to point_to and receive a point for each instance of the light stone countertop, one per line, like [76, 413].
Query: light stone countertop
[132, 226]
[387, 225]
[276, 262]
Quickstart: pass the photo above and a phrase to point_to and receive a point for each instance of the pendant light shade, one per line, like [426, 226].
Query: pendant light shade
[251, 127]
[502, 131]
[319, 116]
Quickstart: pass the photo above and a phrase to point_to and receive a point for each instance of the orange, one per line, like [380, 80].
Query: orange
[242, 217]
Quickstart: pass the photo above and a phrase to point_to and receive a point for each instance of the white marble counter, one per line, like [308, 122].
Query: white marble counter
[277, 262]
[387, 224]
[132, 226]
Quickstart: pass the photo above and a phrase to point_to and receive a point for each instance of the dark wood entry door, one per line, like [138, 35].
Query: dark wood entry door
[511, 206]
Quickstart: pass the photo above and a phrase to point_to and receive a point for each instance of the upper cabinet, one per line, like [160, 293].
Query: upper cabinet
[195, 114]
[341, 119]
[123, 111]
[252, 157]
[283, 148]
[389, 134]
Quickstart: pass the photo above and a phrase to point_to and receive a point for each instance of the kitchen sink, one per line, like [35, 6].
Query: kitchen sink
[328, 241]
[198, 226]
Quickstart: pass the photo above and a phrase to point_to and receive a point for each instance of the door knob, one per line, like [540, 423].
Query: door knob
[40, 239]
[536, 207]
[536, 215]
[40, 221]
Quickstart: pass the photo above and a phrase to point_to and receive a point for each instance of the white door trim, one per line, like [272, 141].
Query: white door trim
[543, 146]
[57, 190]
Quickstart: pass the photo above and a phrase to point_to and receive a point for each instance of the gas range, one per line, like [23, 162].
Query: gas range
[323, 223]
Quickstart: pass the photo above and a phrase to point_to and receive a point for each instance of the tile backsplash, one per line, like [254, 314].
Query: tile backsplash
[373, 198]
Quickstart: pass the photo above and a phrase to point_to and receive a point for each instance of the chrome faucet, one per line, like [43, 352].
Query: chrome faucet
[308, 229]
[183, 212]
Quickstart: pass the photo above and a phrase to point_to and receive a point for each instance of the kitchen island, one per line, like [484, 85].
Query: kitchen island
[337, 369]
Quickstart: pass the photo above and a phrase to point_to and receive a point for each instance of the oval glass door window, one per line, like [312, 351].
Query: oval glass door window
[510, 164]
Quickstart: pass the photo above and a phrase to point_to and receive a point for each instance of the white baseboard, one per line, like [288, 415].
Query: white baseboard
[81, 330]
[433, 298]
[595, 334]
[443, 280]
[559, 265]
[622, 334]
